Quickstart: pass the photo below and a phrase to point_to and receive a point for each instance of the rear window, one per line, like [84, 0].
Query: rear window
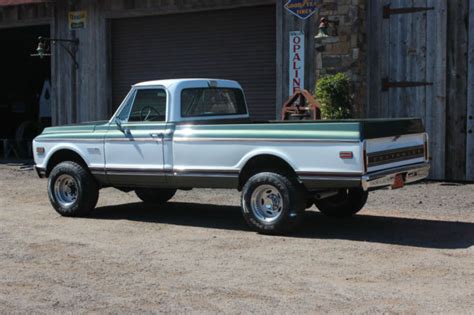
[212, 102]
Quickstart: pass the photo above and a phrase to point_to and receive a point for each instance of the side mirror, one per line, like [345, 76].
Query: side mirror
[118, 122]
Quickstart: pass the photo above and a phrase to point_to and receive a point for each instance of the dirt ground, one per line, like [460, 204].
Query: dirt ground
[409, 251]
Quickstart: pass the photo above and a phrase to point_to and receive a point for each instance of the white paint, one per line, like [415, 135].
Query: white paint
[174, 88]
[296, 62]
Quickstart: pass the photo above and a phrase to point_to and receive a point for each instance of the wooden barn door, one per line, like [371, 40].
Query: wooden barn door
[407, 67]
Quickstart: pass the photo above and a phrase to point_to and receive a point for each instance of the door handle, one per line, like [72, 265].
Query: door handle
[157, 135]
[163, 134]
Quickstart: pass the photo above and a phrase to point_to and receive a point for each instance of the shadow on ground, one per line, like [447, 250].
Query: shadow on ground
[22, 164]
[366, 228]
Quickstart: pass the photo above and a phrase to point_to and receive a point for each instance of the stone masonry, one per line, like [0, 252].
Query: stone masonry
[344, 50]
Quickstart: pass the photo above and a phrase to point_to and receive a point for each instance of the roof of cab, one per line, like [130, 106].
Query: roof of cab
[170, 82]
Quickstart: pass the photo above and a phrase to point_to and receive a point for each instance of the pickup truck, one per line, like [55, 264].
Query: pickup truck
[196, 133]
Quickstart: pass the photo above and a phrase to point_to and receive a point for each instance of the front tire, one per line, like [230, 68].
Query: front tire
[346, 203]
[155, 196]
[272, 204]
[72, 190]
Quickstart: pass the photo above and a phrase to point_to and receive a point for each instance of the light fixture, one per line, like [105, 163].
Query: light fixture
[44, 47]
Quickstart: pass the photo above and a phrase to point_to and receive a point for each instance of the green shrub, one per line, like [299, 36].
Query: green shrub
[334, 93]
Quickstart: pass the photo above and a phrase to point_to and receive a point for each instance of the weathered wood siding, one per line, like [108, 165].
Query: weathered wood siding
[85, 94]
[470, 97]
[409, 47]
[456, 102]
[434, 46]
[26, 15]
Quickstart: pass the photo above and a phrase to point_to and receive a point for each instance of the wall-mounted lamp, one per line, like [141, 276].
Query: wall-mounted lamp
[44, 47]
[324, 27]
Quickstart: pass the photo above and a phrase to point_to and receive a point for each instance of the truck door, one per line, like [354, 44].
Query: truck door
[134, 143]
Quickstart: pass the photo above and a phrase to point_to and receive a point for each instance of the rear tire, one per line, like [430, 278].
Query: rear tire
[345, 204]
[72, 190]
[272, 204]
[155, 196]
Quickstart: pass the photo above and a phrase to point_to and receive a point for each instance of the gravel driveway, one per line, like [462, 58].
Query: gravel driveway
[409, 251]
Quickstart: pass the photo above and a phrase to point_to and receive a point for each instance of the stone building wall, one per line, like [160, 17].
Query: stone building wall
[344, 50]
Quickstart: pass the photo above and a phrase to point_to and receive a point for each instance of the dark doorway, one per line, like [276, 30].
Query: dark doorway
[21, 85]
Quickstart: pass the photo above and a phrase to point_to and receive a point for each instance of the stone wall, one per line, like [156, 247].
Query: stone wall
[344, 50]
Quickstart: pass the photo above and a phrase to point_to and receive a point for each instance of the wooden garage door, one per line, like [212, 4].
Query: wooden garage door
[237, 44]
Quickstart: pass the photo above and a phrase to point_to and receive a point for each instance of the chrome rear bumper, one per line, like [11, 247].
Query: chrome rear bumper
[410, 174]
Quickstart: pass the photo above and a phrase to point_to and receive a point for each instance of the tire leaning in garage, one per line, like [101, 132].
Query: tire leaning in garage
[272, 204]
[155, 196]
[72, 190]
[345, 204]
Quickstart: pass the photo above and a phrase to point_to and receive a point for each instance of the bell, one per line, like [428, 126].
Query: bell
[323, 28]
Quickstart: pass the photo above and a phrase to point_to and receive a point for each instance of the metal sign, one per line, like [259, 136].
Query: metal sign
[303, 8]
[296, 62]
[77, 19]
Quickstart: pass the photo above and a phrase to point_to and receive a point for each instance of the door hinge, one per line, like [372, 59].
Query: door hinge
[386, 84]
[387, 11]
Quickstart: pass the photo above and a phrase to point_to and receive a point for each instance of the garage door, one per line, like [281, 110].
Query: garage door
[237, 44]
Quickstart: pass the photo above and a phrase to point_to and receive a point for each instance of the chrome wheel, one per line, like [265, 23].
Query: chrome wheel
[65, 190]
[266, 203]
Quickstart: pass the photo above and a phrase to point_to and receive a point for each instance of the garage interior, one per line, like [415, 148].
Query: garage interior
[237, 44]
[21, 87]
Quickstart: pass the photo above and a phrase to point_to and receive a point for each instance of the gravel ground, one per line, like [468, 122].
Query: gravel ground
[409, 251]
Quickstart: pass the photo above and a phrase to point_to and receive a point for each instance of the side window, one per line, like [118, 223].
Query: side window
[125, 111]
[212, 102]
[148, 105]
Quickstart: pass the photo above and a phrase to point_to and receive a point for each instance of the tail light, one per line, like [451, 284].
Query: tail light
[364, 153]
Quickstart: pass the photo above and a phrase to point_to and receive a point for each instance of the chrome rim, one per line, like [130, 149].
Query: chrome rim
[65, 190]
[266, 203]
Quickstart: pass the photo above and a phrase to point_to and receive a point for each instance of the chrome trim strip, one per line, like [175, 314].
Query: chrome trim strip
[192, 139]
[200, 139]
[127, 140]
[330, 178]
[163, 172]
[328, 174]
[101, 140]
[220, 175]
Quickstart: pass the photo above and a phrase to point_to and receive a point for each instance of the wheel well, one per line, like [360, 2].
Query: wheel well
[265, 163]
[62, 156]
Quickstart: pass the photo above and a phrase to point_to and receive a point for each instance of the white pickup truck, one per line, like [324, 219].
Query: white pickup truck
[196, 133]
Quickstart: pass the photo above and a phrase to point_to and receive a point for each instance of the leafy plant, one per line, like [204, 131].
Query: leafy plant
[335, 93]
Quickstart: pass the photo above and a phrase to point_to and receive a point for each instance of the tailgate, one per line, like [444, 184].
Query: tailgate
[395, 151]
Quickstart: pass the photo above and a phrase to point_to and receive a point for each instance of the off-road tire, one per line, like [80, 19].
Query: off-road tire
[86, 187]
[155, 196]
[345, 204]
[291, 197]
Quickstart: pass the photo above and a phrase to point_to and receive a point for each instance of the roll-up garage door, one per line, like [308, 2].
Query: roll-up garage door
[236, 44]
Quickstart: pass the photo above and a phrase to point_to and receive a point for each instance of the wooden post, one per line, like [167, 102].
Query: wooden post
[436, 95]
[470, 97]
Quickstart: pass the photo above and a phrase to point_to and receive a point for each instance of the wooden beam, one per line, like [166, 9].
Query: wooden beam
[436, 95]
[470, 97]
[457, 90]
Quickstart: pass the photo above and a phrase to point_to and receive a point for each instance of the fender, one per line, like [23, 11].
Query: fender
[264, 151]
